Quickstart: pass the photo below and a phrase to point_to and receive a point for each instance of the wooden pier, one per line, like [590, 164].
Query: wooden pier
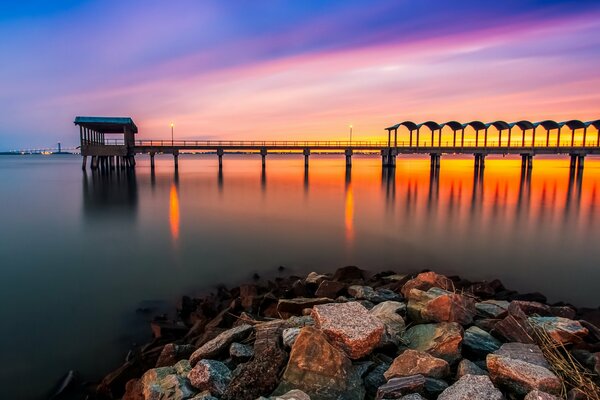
[98, 141]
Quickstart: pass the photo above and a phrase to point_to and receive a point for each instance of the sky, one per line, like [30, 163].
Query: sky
[274, 69]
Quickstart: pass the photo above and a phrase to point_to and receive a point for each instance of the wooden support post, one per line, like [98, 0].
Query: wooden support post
[152, 160]
[410, 138]
[573, 162]
[220, 153]
[439, 138]
[462, 138]
[454, 139]
[348, 153]
[485, 137]
[476, 137]
[509, 134]
[84, 162]
[306, 153]
[523, 161]
[477, 161]
[263, 155]
[176, 160]
[533, 137]
[547, 137]
[523, 142]
[396, 137]
[530, 161]
[584, 136]
[580, 160]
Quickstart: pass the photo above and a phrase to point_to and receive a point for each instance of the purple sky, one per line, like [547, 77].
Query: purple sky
[292, 69]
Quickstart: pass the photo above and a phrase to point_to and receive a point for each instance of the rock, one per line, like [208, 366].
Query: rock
[441, 340]
[315, 279]
[240, 352]
[364, 293]
[375, 378]
[485, 289]
[487, 324]
[388, 295]
[466, 367]
[471, 387]
[163, 384]
[349, 274]
[537, 395]
[210, 375]
[289, 307]
[388, 313]
[221, 343]
[479, 342]
[171, 353]
[425, 281]
[183, 368]
[438, 305]
[435, 386]
[289, 336]
[133, 390]
[349, 326]
[330, 289]
[492, 308]
[514, 327]
[561, 330]
[204, 396]
[292, 395]
[413, 362]
[412, 396]
[248, 296]
[522, 368]
[397, 387]
[577, 394]
[319, 369]
[530, 308]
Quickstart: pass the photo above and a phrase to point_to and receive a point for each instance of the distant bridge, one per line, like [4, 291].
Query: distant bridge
[522, 138]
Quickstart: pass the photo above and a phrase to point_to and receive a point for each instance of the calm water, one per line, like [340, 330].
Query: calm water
[80, 252]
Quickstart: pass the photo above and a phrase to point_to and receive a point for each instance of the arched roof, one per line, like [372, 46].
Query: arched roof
[595, 124]
[454, 125]
[477, 125]
[500, 125]
[573, 124]
[524, 125]
[548, 124]
[434, 126]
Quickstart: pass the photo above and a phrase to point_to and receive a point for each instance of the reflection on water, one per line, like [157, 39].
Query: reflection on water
[104, 242]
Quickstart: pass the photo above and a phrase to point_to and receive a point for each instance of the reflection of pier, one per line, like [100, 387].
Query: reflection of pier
[108, 195]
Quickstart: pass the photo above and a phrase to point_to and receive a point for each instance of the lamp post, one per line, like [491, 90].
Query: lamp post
[350, 134]
[172, 141]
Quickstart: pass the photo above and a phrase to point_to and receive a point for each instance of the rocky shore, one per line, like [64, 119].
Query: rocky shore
[351, 335]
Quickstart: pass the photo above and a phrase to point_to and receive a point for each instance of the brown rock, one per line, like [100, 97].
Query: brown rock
[413, 362]
[171, 353]
[248, 296]
[425, 281]
[133, 390]
[330, 289]
[438, 305]
[221, 343]
[443, 340]
[515, 327]
[350, 274]
[397, 387]
[164, 383]
[349, 326]
[561, 330]
[289, 307]
[471, 387]
[466, 367]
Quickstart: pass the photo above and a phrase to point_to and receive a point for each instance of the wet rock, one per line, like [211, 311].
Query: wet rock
[289, 336]
[240, 352]
[289, 307]
[467, 367]
[478, 342]
[330, 289]
[537, 395]
[561, 330]
[210, 375]
[522, 368]
[397, 387]
[514, 327]
[319, 369]
[349, 326]
[171, 353]
[435, 386]
[315, 279]
[388, 313]
[163, 383]
[425, 281]
[438, 305]
[221, 343]
[350, 274]
[492, 308]
[413, 362]
[471, 387]
[441, 340]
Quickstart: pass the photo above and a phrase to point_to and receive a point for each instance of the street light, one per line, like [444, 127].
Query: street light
[172, 125]
[350, 134]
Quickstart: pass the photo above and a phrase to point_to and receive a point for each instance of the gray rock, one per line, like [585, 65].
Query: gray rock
[204, 396]
[164, 383]
[537, 395]
[435, 386]
[479, 342]
[289, 336]
[388, 313]
[183, 368]
[375, 378]
[240, 352]
[466, 367]
[315, 279]
[292, 395]
[221, 343]
[210, 375]
[492, 308]
[471, 387]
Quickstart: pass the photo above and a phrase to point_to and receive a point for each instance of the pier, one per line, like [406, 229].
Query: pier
[110, 143]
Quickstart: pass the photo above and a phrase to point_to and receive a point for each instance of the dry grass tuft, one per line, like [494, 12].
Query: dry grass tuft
[567, 368]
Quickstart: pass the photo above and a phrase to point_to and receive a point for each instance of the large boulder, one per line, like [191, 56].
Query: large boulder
[210, 375]
[413, 362]
[515, 327]
[425, 281]
[478, 342]
[349, 326]
[221, 343]
[438, 305]
[320, 369]
[521, 368]
[471, 387]
[443, 340]
[397, 387]
[561, 330]
[388, 313]
[164, 384]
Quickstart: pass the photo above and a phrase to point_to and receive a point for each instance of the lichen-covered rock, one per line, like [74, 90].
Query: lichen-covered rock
[388, 313]
[320, 369]
[221, 343]
[561, 330]
[492, 308]
[397, 387]
[413, 362]
[210, 375]
[479, 342]
[182, 368]
[349, 326]
[426, 280]
[441, 340]
[537, 395]
[471, 387]
[438, 305]
[240, 352]
[521, 368]
[164, 384]
[467, 367]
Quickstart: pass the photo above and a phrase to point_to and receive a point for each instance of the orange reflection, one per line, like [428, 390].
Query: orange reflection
[349, 213]
[174, 212]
